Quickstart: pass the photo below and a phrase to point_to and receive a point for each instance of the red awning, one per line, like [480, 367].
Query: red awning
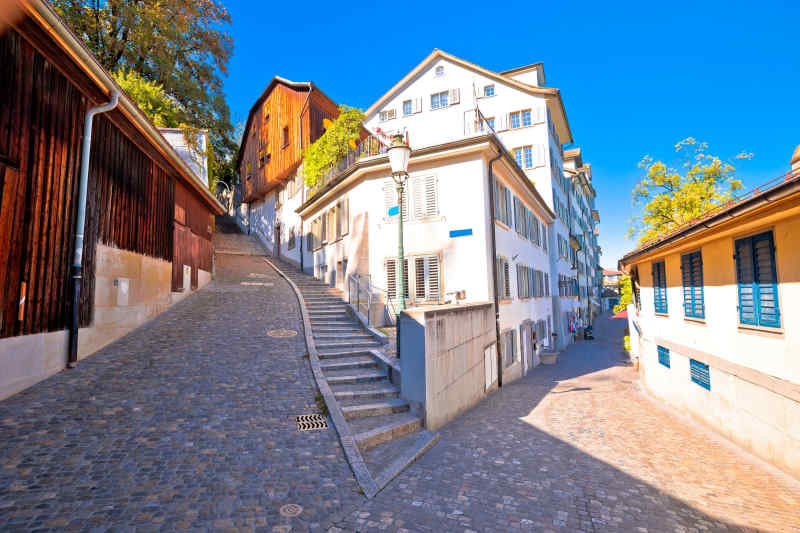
[621, 314]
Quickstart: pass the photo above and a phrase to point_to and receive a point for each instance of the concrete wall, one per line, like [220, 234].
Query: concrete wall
[755, 371]
[444, 372]
[130, 289]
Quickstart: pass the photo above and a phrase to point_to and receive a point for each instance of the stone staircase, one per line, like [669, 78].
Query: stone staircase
[364, 381]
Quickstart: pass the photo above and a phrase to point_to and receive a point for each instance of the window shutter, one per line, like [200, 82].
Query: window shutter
[419, 278]
[538, 155]
[418, 194]
[389, 197]
[391, 279]
[506, 279]
[508, 208]
[766, 280]
[538, 115]
[455, 96]
[546, 284]
[516, 213]
[433, 279]
[346, 216]
[417, 105]
[431, 196]
[745, 278]
[520, 279]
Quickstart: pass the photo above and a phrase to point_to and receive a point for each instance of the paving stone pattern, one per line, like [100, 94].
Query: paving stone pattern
[185, 424]
[577, 447]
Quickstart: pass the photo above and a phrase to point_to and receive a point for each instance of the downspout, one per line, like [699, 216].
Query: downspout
[77, 261]
[493, 241]
[303, 186]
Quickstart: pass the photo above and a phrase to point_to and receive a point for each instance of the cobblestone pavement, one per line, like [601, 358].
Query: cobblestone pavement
[577, 447]
[186, 423]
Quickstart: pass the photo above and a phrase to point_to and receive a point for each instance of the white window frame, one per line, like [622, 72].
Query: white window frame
[387, 114]
[438, 96]
[488, 89]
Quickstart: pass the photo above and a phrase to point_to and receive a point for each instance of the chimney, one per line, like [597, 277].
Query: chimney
[795, 162]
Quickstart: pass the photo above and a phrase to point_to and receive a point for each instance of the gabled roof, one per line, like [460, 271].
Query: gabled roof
[525, 68]
[276, 80]
[552, 95]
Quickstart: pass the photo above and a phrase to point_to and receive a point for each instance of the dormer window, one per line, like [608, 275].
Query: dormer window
[440, 71]
[388, 114]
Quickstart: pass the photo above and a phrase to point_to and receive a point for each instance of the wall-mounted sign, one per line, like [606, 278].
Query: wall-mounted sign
[393, 211]
[460, 233]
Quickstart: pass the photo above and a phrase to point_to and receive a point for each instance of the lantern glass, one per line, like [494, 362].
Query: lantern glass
[399, 153]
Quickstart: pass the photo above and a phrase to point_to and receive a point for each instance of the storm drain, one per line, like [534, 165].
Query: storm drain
[311, 422]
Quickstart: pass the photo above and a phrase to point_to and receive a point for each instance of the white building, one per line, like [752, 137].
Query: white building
[194, 157]
[482, 143]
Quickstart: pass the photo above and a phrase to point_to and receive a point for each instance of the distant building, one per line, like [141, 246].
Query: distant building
[611, 277]
[715, 315]
[610, 298]
[194, 156]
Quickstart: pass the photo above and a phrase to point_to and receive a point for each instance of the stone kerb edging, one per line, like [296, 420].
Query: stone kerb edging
[346, 437]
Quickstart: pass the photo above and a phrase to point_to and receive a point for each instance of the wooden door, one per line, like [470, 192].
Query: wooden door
[276, 250]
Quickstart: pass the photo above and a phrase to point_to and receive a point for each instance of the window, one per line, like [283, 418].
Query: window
[420, 198]
[391, 278]
[343, 211]
[388, 114]
[439, 71]
[426, 278]
[663, 355]
[408, 107]
[758, 281]
[285, 136]
[521, 119]
[508, 343]
[692, 273]
[518, 156]
[700, 374]
[502, 204]
[660, 287]
[490, 122]
[439, 100]
[488, 90]
[292, 239]
[503, 278]
[528, 153]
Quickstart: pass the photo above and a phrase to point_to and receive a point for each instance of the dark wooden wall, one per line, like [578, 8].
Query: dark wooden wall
[193, 232]
[129, 205]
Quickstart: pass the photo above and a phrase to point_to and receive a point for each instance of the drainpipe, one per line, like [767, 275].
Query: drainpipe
[77, 261]
[303, 182]
[493, 241]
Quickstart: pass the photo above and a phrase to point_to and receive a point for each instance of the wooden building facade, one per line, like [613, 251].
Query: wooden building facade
[284, 121]
[140, 198]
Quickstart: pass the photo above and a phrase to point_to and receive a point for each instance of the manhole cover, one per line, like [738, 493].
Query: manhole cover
[291, 510]
[311, 422]
[282, 333]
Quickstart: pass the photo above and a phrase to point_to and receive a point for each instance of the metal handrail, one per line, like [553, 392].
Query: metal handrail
[361, 290]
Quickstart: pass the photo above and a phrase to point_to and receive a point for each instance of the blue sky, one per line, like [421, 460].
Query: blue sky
[635, 78]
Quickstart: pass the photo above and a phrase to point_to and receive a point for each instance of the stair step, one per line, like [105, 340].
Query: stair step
[392, 426]
[355, 377]
[343, 353]
[340, 336]
[345, 344]
[346, 363]
[323, 319]
[343, 330]
[366, 390]
[383, 407]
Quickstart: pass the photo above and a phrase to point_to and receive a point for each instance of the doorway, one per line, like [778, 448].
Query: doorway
[276, 247]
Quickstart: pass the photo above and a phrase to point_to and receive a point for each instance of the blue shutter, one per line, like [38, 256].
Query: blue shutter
[745, 280]
[663, 356]
[659, 287]
[700, 374]
[692, 274]
[766, 281]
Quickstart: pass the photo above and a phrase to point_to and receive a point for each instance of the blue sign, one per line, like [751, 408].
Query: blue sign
[393, 211]
[460, 233]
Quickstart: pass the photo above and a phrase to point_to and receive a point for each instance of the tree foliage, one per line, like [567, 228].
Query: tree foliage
[178, 44]
[625, 294]
[162, 109]
[671, 196]
[332, 146]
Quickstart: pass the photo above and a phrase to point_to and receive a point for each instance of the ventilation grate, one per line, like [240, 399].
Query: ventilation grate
[311, 422]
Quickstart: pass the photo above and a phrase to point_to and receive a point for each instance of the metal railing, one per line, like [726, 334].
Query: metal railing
[361, 293]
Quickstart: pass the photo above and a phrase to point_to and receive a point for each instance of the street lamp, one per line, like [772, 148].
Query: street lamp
[399, 153]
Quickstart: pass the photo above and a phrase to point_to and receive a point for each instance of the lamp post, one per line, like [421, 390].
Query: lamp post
[399, 153]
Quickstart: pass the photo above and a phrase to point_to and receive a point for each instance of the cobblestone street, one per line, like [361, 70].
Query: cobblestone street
[186, 423]
[577, 447]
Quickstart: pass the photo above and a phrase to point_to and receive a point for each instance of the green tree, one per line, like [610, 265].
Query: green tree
[670, 196]
[162, 109]
[625, 293]
[178, 44]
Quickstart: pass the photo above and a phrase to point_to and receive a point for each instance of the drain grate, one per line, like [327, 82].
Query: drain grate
[291, 510]
[311, 422]
[282, 333]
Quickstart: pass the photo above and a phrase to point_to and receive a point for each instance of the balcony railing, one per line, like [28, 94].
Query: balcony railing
[367, 147]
